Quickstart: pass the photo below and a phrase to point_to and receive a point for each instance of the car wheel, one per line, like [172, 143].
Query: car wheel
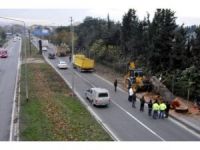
[93, 103]
[86, 96]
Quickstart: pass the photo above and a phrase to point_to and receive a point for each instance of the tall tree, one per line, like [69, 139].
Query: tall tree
[162, 32]
[129, 30]
[179, 59]
[196, 48]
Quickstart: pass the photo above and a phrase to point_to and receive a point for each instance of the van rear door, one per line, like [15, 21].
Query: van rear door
[103, 98]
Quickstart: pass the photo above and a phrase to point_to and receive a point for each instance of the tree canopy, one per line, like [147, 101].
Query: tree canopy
[159, 46]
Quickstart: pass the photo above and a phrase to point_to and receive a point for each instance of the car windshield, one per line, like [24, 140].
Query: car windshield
[103, 94]
[62, 62]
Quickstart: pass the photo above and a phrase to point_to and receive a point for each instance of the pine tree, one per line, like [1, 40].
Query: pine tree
[129, 32]
[196, 49]
[179, 59]
[162, 33]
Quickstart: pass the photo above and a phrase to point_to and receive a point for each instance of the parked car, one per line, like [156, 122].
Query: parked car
[44, 48]
[51, 55]
[62, 65]
[98, 96]
[3, 53]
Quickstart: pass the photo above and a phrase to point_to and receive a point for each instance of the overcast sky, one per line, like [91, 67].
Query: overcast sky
[58, 12]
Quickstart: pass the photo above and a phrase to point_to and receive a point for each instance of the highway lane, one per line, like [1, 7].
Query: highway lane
[8, 71]
[126, 123]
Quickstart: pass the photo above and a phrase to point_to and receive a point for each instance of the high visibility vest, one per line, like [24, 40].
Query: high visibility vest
[163, 106]
[155, 106]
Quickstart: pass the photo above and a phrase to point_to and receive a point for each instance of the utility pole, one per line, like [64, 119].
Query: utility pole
[26, 68]
[29, 41]
[188, 91]
[173, 78]
[72, 58]
[72, 36]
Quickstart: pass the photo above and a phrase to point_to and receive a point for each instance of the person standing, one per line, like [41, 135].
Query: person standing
[134, 100]
[162, 110]
[150, 104]
[167, 109]
[142, 101]
[155, 109]
[115, 85]
[130, 97]
[70, 58]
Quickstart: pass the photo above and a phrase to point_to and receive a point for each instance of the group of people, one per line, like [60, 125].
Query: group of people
[160, 109]
[155, 109]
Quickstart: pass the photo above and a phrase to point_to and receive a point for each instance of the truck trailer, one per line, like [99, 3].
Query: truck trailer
[82, 63]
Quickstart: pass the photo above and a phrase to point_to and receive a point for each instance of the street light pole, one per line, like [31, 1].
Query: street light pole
[72, 35]
[29, 34]
[72, 58]
[26, 69]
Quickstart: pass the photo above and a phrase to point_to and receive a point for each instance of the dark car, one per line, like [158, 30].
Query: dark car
[3, 53]
[51, 56]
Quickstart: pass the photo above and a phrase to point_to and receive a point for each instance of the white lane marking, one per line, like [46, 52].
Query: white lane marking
[138, 121]
[15, 93]
[109, 131]
[171, 119]
[150, 130]
[128, 112]
[184, 127]
[19, 98]
[134, 117]
[194, 133]
[124, 109]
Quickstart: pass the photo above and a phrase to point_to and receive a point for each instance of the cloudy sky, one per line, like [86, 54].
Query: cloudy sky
[58, 12]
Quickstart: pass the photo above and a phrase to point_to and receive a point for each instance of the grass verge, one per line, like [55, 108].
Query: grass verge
[51, 114]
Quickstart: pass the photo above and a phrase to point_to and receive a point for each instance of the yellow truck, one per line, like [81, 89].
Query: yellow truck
[82, 63]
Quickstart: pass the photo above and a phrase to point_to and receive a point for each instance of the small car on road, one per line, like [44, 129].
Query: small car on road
[3, 53]
[98, 96]
[62, 65]
[44, 48]
[51, 55]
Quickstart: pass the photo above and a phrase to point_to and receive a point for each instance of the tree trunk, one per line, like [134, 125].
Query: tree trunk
[161, 89]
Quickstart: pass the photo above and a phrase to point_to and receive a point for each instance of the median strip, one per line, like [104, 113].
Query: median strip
[52, 114]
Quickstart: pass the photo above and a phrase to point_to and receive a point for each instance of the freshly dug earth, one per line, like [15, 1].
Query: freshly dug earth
[111, 75]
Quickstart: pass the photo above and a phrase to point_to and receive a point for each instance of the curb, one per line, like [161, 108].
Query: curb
[185, 123]
[14, 130]
[102, 124]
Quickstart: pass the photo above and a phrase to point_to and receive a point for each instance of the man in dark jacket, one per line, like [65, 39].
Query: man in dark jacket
[167, 109]
[134, 100]
[115, 85]
[142, 101]
[150, 104]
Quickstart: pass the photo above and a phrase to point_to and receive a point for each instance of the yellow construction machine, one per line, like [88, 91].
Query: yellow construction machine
[136, 80]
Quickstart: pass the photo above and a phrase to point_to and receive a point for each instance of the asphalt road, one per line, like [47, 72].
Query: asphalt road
[8, 72]
[124, 122]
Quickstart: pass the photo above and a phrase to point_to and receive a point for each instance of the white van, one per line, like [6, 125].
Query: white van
[98, 96]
